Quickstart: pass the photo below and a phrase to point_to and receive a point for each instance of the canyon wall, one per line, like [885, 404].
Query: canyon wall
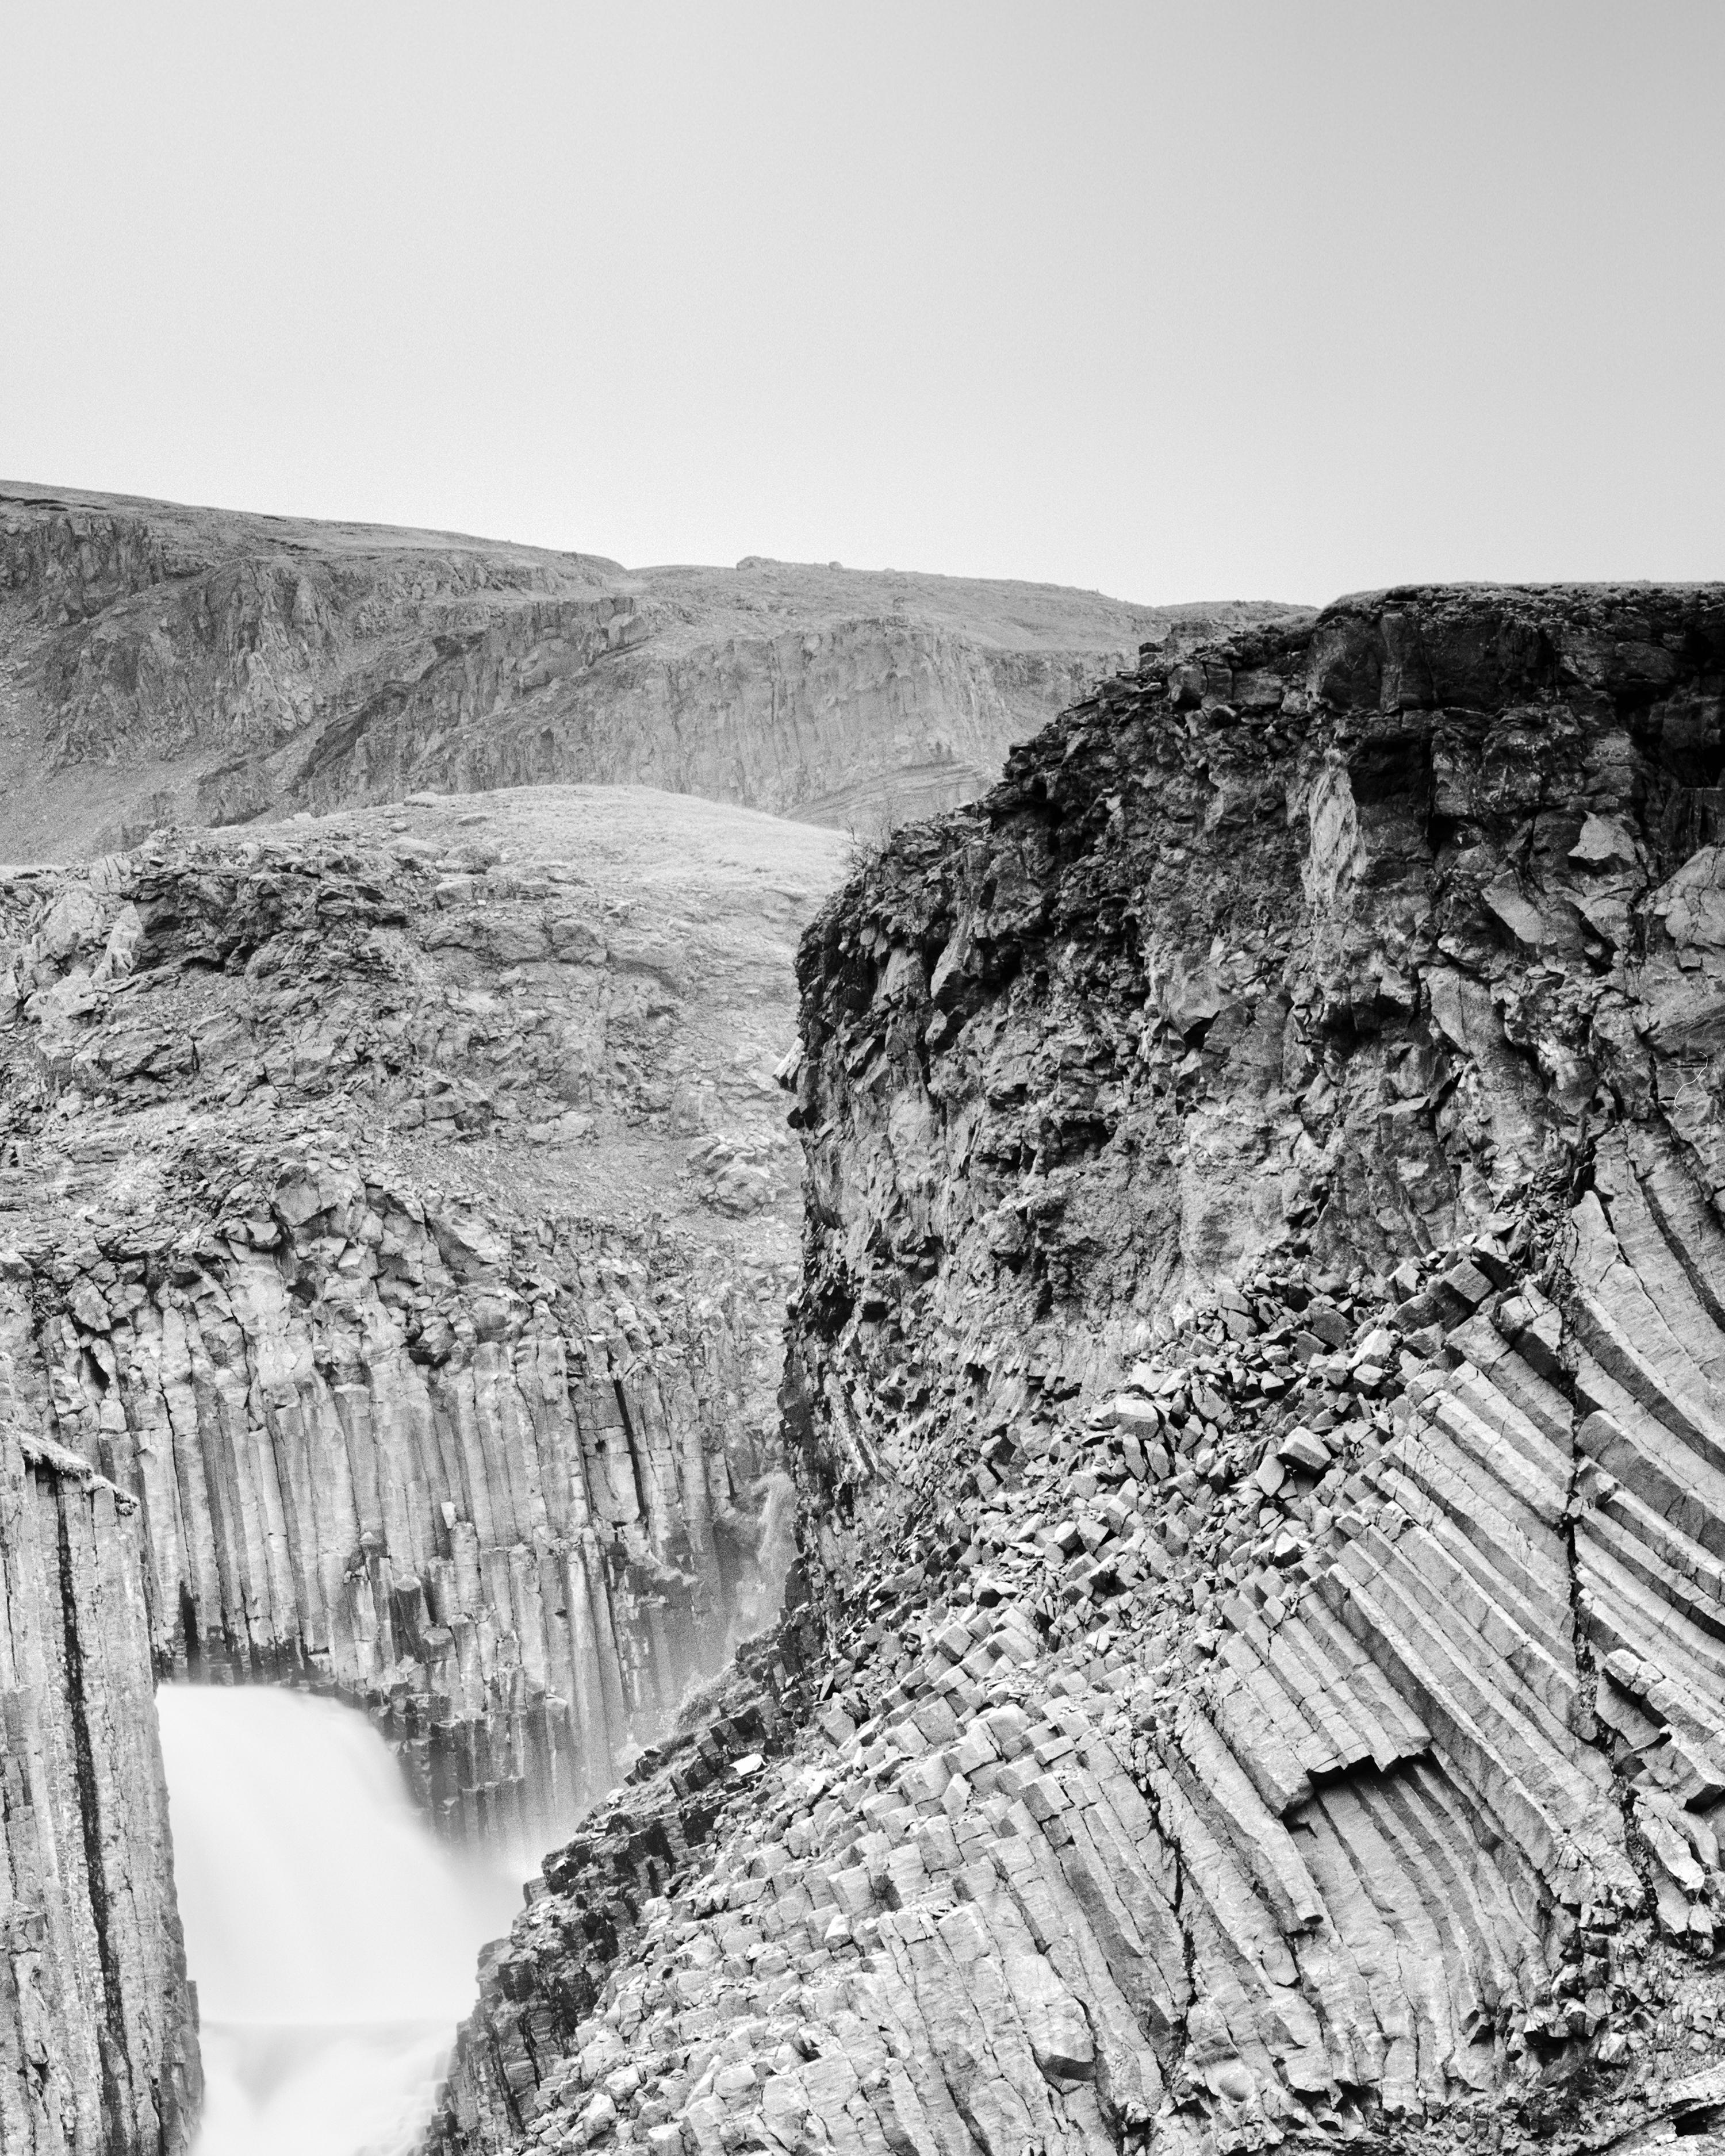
[160, 665]
[398, 1207]
[395, 1216]
[1255, 1402]
[493, 1489]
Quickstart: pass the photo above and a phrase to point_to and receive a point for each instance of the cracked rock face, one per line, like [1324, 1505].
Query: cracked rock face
[1255, 1401]
[394, 1213]
[160, 664]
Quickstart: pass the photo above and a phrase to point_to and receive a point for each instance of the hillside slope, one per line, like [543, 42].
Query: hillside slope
[160, 664]
[1257, 1401]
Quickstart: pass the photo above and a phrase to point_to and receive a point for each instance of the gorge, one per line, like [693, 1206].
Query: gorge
[1251, 1667]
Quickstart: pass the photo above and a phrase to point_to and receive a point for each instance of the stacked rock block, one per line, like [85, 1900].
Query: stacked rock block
[98, 2028]
[1647, 1348]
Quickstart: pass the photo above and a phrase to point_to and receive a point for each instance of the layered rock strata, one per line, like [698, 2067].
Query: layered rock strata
[1255, 1402]
[161, 664]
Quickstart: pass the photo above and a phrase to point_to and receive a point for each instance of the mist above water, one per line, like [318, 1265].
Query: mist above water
[761, 1595]
[332, 1938]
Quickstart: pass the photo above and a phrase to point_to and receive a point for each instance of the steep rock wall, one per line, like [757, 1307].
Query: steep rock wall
[517, 1520]
[98, 2030]
[164, 664]
[863, 720]
[1255, 1401]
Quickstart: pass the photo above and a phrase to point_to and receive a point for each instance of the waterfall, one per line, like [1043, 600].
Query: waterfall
[760, 1596]
[331, 1938]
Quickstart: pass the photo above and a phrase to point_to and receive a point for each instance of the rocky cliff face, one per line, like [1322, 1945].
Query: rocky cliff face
[396, 1220]
[98, 2030]
[1254, 1400]
[163, 665]
[398, 1209]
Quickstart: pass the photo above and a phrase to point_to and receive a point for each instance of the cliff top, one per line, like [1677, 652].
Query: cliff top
[1017, 612]
[203, 532]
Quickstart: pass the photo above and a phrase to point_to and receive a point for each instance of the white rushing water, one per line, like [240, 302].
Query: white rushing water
[333, 1940]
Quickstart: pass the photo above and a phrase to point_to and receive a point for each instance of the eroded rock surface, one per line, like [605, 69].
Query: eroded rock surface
[1255, 1402]
[160, 664]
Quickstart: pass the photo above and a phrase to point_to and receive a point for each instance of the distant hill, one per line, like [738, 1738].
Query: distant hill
[160, 664]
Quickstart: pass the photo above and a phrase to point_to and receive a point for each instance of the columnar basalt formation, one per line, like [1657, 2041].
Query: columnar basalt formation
[518, 1516]
[306, 1145]
[1255, 1401]
[97, 2034]
[394, 1224]
[161, 664]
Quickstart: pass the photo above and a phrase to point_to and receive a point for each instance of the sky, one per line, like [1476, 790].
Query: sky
[1172, 302]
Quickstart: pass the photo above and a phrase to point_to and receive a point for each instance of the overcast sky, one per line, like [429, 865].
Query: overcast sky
[1176, 302]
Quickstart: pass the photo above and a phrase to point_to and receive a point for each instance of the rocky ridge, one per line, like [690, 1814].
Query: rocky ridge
[1255, 1402]
[160, 664]
[391, 1210]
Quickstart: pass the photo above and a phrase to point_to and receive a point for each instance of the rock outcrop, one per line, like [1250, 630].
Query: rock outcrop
[395, 1217]
[163, 665]
[1254, 1403]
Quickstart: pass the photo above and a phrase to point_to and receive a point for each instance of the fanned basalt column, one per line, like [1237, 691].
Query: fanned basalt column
[1255, 1398]
[98, 2029]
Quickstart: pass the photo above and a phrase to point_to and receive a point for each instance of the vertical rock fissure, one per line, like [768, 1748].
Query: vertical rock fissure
[292, 1653]
[112, 2037]
[193, 1642]
[634, 1450]
[1174, 2058]
[1581, 1645]
[1635, 1847]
